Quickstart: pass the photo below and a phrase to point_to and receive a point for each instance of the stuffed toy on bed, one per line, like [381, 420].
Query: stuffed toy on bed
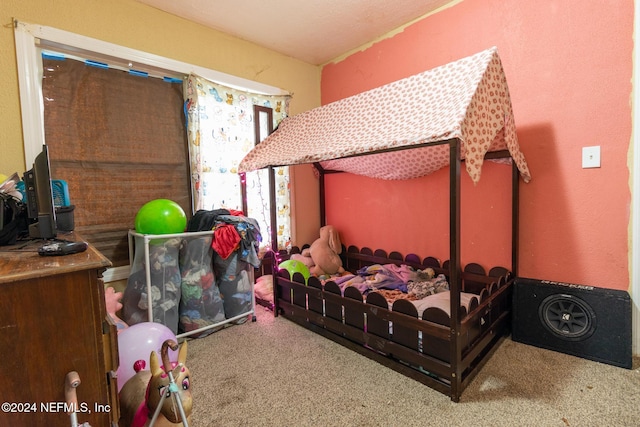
[325, 252]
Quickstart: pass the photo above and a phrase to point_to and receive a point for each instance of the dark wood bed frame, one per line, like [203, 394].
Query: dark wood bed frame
[444, 352]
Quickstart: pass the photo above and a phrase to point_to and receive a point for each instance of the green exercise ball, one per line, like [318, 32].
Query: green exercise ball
[160, 216]
[294, 266]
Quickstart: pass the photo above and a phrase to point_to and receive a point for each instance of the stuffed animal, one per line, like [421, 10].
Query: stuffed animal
[113, 304]
[145, 391]
[325, 252]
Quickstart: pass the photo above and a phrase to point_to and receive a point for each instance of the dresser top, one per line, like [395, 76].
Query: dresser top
[22, 262]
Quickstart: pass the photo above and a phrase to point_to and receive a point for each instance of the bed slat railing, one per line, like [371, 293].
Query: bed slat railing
[356, 309]
[362, 336]
[422, 345]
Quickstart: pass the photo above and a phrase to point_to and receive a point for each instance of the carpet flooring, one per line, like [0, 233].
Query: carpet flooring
[272, 372]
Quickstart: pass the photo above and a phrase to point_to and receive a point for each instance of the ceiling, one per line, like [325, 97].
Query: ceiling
[313, 31]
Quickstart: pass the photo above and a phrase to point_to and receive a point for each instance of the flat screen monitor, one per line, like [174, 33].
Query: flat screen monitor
[39, 191]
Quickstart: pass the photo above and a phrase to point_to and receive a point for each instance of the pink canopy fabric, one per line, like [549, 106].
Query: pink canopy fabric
[466, 99]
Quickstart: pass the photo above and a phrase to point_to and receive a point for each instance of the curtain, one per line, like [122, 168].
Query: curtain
[119, 141]
[220, 132]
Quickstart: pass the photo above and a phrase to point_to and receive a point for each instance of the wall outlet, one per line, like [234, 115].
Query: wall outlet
[591, 157]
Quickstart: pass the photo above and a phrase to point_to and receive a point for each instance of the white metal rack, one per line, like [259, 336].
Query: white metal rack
[148, 238]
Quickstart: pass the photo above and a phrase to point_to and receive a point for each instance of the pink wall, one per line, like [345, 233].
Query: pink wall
[569, 69]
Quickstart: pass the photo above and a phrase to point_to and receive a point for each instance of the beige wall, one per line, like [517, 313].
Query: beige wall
[138, 26]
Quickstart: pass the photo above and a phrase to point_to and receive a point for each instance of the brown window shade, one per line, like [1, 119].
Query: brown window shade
[119, 141]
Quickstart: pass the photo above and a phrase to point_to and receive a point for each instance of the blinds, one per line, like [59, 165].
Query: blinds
[118, 139]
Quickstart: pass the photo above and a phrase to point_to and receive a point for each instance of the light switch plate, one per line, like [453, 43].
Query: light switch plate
[591, 157]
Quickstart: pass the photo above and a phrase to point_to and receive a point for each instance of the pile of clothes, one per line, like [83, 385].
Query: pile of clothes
[165, 278]
[197, 281]
[235, 244]
[394, 282]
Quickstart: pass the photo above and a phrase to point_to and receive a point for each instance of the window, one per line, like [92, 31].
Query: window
[118, 139]
[30, 39]
[224, 125]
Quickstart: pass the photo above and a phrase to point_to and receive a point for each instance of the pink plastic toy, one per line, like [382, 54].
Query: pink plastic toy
[160, 396]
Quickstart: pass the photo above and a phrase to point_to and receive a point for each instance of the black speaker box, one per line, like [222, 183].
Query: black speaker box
[584, 321]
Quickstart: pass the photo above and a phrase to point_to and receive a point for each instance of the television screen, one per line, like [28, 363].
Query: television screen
[39, 191]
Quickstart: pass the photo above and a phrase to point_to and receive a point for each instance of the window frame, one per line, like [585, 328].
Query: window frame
[259, 112]
[30, 39]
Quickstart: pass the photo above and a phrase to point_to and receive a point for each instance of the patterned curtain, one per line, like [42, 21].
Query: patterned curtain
[220, 131]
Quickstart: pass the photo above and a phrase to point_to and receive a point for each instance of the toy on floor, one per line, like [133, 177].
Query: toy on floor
[136, 343]
[161, 396]
[112, 301]
[323, 256]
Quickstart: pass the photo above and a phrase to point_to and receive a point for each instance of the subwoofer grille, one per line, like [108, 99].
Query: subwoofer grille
[568, 317]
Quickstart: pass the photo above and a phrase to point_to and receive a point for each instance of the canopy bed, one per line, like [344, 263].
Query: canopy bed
[454, 114]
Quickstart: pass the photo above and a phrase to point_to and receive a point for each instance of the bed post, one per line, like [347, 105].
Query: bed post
[515, 226]
[323, 209]
[455, 277]
[274, 237]
[272, 212]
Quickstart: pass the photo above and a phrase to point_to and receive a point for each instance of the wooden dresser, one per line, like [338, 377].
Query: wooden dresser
[53, 320]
